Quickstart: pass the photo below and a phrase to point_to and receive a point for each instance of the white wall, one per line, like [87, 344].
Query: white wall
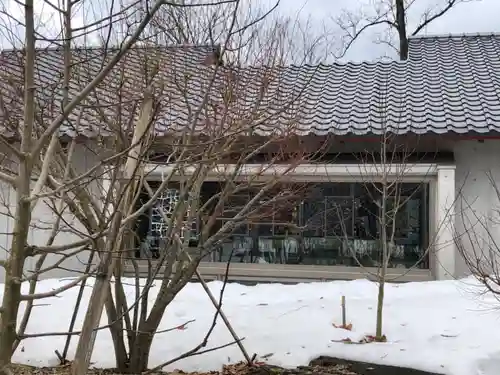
[477, 222]
[42, 219]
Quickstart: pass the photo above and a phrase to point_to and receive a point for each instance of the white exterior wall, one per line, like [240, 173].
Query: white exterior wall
[442, 216]
[477, 214]
[42, 219]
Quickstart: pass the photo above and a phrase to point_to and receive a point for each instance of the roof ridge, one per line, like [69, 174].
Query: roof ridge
[456, 35]
[135, 46]
[319, 65]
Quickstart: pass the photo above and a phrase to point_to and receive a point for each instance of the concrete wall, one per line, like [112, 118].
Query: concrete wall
[42, 219]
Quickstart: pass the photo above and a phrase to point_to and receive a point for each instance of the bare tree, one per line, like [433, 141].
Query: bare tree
[388, 199]
[220, 140]
[392, 15]
[290, 40]
[35, 113]
[128, 102]
[381, 224]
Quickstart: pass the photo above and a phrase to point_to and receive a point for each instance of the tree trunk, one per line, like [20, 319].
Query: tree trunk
[14, 268]
[15, 261]
[139, 356]
[380, 308]
[8, 321]
[401, 26]
[96, 302]
[12, 290]
[385, 255]
[116, 331]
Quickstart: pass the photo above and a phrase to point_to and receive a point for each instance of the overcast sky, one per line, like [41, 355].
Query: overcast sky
[471, 16]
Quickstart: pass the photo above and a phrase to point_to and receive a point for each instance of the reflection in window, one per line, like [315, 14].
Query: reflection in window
[332, 224]
[340, 224]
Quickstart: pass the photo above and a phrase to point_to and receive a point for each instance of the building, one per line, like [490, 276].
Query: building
[443, 104]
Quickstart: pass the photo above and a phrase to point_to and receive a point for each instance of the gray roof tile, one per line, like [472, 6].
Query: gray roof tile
[449, 84]
[117, 96]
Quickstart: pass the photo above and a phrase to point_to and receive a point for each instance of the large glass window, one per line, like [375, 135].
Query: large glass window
[339, 224]
[331, 224]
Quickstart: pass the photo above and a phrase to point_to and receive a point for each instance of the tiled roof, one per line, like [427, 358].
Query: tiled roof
[449, 84]
[115, 98]
[452, 47]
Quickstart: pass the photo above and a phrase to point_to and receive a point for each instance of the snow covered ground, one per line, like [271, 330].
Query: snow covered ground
[448, 327]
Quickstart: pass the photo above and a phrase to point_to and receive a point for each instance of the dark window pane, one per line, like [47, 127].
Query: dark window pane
[240, 228]
[265, 228]
[366, 218]
[336, 189]
[313, 212]
[234, 206]
[339, 217]
[403, 218]
[285, 219]
[409, 189]
[365, 189]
